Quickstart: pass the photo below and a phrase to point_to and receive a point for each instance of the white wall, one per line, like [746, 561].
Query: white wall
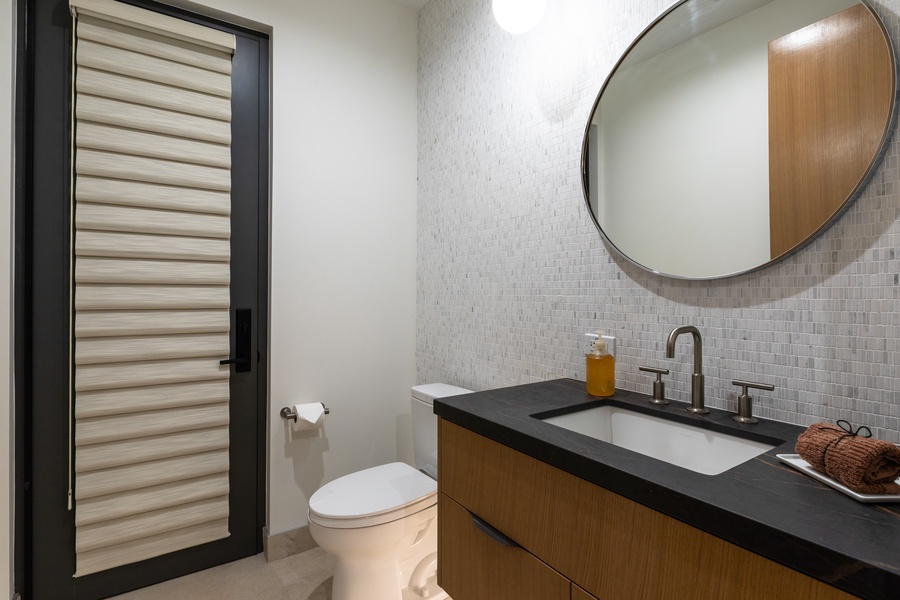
[343, 239]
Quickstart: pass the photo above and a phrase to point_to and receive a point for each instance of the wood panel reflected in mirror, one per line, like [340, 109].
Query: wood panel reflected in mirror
[733, 132]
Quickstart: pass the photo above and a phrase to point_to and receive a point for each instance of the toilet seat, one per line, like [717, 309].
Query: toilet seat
[372, 497]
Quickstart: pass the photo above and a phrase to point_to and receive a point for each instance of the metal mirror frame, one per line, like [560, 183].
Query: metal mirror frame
[851, 197]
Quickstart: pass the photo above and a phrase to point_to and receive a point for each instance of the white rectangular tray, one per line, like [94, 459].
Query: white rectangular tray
[798, 463]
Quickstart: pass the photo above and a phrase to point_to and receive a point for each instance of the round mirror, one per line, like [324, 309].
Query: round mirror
[732, 132]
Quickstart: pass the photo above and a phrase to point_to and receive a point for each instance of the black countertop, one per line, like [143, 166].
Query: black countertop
[762, 505]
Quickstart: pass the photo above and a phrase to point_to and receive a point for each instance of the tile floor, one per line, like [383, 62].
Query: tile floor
[305, 576]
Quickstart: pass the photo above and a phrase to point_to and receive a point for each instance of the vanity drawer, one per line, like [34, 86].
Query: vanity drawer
[516, 494]
[473, 565]
[614, 548]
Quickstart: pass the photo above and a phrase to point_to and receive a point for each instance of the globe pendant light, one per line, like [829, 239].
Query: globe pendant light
[519, 16]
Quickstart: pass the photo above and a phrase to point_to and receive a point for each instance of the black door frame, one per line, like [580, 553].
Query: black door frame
[41, 312]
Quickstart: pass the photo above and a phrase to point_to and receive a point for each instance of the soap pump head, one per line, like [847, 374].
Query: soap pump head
[597, 344]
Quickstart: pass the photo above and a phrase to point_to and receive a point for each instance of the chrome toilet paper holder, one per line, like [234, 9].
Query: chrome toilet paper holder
[288, 413]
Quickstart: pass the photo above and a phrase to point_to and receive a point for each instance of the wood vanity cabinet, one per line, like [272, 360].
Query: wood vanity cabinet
[578, 540]
[488, 569]
[580, 594]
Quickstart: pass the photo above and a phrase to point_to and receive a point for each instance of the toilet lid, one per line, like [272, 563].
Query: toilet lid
[373, 492]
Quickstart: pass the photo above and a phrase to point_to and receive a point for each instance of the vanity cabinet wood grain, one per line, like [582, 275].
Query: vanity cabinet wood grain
[478, 567]
[611, 547]
[580, 594]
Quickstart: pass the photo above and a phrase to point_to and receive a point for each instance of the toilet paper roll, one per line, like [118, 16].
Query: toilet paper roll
[309, 416]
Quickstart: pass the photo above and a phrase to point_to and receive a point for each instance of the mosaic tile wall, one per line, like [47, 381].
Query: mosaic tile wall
[512, 273]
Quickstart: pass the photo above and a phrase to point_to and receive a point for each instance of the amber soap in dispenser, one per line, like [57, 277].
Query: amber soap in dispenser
[600, 366]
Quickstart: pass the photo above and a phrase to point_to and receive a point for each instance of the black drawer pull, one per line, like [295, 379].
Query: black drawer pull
[493, 533]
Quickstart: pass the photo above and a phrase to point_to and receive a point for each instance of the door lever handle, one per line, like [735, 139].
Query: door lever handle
[234, 361]
[242, 342]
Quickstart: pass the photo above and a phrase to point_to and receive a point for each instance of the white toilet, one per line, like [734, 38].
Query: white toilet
[381, 523]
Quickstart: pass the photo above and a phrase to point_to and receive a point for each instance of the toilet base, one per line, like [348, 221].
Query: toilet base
[390, 561]
[431, 591]
[355, 583]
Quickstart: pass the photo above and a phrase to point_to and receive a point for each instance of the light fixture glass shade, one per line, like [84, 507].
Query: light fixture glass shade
[519, 16]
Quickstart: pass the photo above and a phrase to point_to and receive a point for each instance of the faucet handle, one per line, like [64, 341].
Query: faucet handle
[659, 386]
[745, 401]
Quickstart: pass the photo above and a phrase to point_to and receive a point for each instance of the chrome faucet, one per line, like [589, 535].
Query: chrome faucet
[697, 394]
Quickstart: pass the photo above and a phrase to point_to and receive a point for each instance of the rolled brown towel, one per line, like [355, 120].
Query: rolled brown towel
[864, 465]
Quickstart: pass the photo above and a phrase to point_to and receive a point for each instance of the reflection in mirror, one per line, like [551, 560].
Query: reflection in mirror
[734, 131]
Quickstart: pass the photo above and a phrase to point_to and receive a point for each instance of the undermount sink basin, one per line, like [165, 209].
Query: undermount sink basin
[694, 448]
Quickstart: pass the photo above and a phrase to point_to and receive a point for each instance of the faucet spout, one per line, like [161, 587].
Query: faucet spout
[697, 384]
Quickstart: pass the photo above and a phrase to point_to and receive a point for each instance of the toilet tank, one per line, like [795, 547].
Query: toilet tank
[424, 422]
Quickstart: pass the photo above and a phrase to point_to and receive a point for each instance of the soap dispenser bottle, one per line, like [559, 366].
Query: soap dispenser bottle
[601, 369]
